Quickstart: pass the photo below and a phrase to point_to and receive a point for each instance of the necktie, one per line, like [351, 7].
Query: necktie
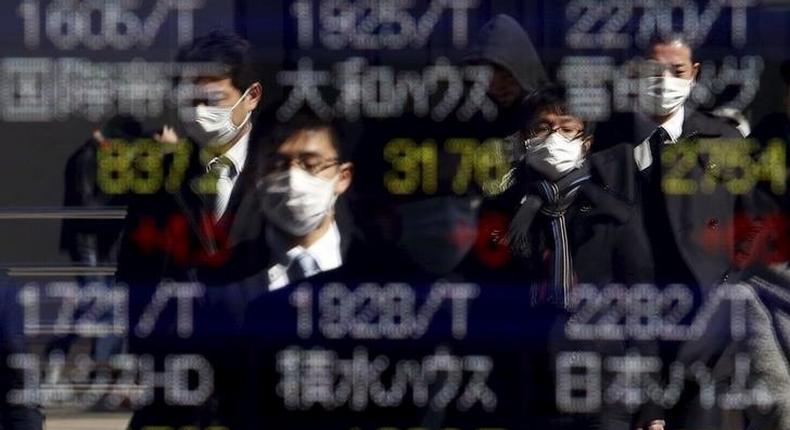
[668, 265]
[222, 169]
[653, 173]
[301, 267]
[658, 139]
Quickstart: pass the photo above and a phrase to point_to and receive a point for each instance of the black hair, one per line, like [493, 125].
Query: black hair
[122, 126]
[229, 50]
[303, 121]
[551, 98]
[676, 38]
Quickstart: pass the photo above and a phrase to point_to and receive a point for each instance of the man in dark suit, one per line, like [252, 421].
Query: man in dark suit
[689, 217]
[565, 229]
[303, 176]
[692, 214]
[204, 227]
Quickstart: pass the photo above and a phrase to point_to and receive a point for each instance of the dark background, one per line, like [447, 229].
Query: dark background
[34, 153]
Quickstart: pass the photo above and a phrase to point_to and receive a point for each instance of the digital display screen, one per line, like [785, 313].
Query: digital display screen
[395, 214]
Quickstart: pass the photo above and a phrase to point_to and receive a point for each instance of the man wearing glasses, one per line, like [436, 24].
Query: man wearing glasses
[566, 230]
[303, 177]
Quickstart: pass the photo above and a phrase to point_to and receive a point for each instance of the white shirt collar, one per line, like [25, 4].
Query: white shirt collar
[325, 251]
[237, 154]
[673, 126]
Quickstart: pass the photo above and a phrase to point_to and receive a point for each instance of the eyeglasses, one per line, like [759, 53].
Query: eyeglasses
[313, 164]
[544, 131]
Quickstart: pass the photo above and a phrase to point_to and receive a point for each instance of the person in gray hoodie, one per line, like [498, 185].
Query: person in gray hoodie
[517, 70]
[517, 73]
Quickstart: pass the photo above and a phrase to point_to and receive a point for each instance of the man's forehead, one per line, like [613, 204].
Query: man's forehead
[213, 83]
[308, 141]
[554, 117]
[671, 53]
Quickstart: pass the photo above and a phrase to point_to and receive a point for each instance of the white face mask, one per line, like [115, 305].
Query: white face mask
[555, 155]
[212, 126]
[663, 95]
[296, 201]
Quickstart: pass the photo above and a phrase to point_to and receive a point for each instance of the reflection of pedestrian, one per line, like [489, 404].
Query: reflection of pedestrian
[555, 189]
[12, 341]
[93, 243]
[517, 70]
[692, 230]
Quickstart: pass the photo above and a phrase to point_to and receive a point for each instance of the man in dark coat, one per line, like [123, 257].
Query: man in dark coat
[567, 229]
[203, 227]
[689, 207]
[701, 228]
[91, 242]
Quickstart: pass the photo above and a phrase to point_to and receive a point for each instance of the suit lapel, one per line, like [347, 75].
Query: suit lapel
[243, 211]
[198, 217]
[615, 170]
[680, 208]
[193, 205]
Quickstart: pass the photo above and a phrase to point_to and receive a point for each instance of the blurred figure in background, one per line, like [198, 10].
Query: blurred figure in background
[423, 230]
[517, 72]
[92, 242]
[12, 341]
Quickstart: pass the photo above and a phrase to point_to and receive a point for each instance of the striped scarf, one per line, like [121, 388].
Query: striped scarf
[551, 200]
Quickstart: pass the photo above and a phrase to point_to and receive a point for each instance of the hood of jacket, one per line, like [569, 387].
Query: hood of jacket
[504, 42]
